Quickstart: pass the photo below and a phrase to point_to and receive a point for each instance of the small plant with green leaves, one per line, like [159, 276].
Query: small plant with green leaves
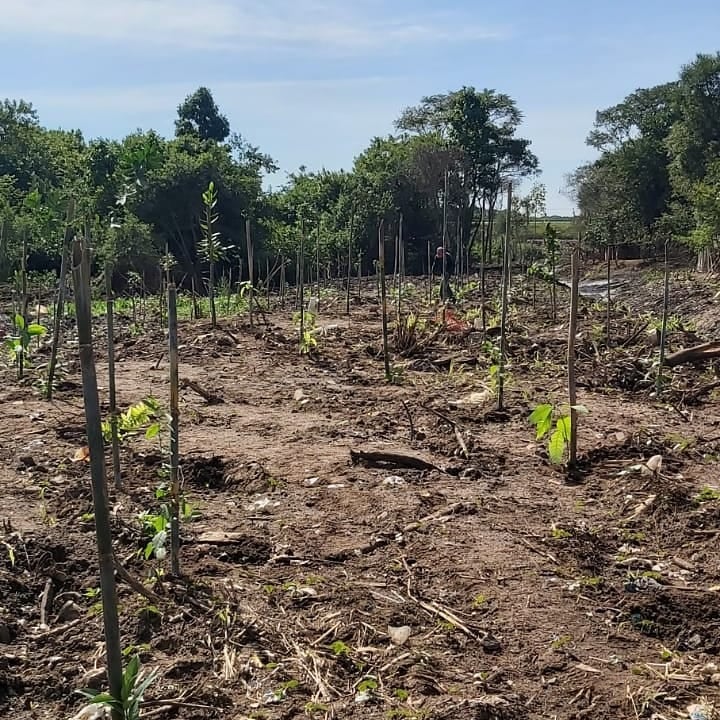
[18, 344]
[134, 686]
[143, 415]
[156, 524]
[210, 247]
[309, 339]
[555, 425]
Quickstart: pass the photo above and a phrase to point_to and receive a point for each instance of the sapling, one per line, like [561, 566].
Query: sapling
[555, 424]
[210, 246]
[19, 342]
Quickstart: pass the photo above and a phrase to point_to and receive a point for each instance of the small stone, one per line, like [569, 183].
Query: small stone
[399, 635]
[491, 644]
[68, 612]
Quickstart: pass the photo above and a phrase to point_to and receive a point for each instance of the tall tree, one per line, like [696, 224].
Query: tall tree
[199, 115]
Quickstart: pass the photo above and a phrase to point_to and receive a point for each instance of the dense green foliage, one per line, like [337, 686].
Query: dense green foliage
[142, 196]
[658, 174]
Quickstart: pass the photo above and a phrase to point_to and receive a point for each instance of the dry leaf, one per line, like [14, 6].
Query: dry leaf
[399, 635]
[82, 454]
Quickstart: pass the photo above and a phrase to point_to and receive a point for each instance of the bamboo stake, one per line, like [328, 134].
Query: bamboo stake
[349, 263]
[572, 385]
[60, 304]
[301, 281]
[398, 251]
[251, 267]
[663, 331]
[174, 429]
[110, 305]
[383, 295]
[503, 316]
[81, 282]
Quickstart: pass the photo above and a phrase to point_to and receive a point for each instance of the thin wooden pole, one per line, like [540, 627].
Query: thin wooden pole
[607, 319]
[349, 262]
[251, 267]
[383, 295]
[174, 430]
[110, 305]
[301, 281]
[93, 424]
[663, 331]
[60, 304]
[398, 251]
[572, 331]
[503, 316]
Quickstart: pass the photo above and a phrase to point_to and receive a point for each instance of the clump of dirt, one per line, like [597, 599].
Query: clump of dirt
[684, 621]
[207, 472]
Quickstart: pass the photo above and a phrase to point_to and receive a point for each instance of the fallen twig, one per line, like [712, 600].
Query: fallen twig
[136, 585]
[410, 421]
[205, 394]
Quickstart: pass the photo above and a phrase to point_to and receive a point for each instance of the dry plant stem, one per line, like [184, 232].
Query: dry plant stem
[60, 305]
[111, 377]
[503, 315]
[663, 333]
[383, 295]
[174, 428]
[81, 282]
[572, 386]
[251, 268]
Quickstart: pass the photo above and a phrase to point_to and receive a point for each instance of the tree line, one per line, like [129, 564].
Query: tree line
[657, 177]
[140, 199]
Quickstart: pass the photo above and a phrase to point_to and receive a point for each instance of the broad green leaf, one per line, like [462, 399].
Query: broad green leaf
[152, 431]
[34, 329]
[563, 427]
[19, 322]
[541, 417]
[556, 447]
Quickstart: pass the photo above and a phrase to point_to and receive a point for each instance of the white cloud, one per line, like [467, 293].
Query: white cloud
[239, 25]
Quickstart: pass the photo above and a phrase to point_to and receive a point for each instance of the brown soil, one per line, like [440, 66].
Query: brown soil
[529, 593]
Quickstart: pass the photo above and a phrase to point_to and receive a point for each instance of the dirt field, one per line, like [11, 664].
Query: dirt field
[317, 584]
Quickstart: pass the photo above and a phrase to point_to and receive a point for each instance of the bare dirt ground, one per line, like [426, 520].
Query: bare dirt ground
[319, 585]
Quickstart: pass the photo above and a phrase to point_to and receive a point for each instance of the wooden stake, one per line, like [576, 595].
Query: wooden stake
[349, 263]
[663, 332]
[503, 316]
[93, 423]
[383, 296]
[60, 304]
[110, 305]
[572, 386]
[251, 268]
[174, 429]
[301, 282]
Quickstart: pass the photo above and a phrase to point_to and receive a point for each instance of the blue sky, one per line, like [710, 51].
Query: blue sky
[312, 81]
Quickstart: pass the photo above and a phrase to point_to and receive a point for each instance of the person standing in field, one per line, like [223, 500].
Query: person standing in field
[444, 266]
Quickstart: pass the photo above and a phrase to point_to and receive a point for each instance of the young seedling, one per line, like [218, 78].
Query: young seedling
[18, 344]
[556, 427]
[134, 685]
